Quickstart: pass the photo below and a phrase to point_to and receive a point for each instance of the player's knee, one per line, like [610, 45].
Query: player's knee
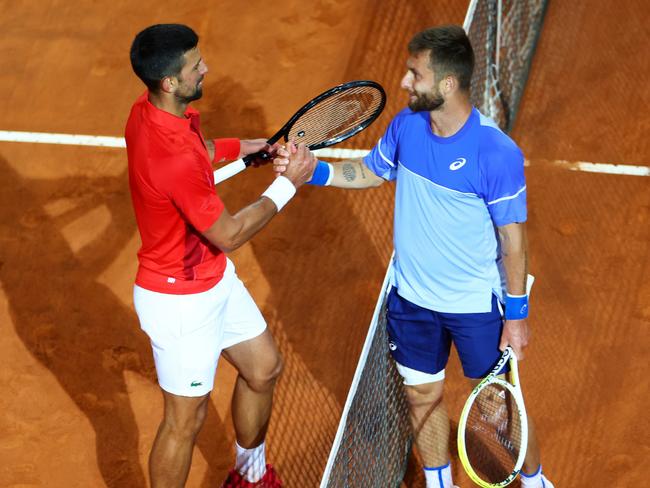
[187, 422]
[199, 418]
[426, 396]
[265, 376]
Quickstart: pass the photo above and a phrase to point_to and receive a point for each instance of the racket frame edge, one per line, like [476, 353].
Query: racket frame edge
[515, 389]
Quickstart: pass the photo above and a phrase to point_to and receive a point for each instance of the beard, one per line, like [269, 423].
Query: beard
[190, 97]
[426, 102]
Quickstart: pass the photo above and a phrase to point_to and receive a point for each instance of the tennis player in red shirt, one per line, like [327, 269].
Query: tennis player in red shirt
[187, 295]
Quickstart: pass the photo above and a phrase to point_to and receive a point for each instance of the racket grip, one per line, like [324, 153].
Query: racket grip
[229, 171]
[259, 155]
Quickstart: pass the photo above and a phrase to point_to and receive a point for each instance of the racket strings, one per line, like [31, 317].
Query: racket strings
[337, 116]
[493, 434]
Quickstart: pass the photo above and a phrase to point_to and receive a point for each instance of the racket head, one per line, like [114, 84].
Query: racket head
[493, 430]
[335, 115]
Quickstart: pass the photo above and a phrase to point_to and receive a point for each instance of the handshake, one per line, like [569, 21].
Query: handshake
[296, 163]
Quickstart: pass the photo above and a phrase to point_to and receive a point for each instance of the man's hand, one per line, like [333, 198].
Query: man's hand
[515, 334]
[281, 161]
[251, 146]
[300, 164]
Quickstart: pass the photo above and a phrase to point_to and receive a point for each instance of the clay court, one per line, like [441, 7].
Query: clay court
[80, 403]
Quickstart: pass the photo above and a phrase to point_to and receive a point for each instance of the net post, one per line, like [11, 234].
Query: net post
[469, 15]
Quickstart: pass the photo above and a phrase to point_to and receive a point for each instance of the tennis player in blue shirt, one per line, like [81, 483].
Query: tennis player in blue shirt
[459, 236]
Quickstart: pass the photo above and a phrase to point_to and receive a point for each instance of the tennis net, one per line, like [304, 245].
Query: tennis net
[374, 437]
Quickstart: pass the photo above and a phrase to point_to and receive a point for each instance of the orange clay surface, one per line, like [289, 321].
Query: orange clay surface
[80, 404]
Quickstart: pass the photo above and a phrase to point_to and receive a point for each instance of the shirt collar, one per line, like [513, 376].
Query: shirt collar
[166, 119]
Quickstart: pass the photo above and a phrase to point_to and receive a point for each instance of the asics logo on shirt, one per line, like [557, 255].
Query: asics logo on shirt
[459, 163]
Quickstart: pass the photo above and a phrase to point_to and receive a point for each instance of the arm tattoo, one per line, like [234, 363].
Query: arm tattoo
[349, 173]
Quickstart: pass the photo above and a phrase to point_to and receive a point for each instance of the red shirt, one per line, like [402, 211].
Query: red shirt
[172, 188]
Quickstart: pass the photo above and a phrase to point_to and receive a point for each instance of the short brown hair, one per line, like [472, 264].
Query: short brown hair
[450, 52]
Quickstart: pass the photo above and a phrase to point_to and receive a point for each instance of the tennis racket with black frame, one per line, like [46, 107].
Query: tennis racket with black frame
[331, 117]
[493, 427]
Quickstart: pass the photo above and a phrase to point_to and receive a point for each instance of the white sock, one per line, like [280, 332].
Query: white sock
[251, 463]
[533, 480]
[439, 477]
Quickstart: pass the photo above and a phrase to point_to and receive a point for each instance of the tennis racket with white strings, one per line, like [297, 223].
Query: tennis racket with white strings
[331, 117]
[493, 427]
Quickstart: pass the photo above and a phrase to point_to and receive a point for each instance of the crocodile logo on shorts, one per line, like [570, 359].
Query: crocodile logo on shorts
[196, 383]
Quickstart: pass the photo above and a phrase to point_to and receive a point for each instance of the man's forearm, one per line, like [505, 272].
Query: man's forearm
[353, 173]
[250, 220]
[514, 251]
[230, 232]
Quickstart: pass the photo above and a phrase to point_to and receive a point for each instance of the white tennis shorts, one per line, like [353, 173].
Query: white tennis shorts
[188, 332]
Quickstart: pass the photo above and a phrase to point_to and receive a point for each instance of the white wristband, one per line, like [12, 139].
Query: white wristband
[280, 191]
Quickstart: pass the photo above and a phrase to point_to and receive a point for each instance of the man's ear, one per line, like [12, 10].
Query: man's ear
[168, 84]
[448, 84]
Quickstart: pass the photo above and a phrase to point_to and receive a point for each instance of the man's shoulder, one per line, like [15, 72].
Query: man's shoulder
[407, 123]
[495, 146]
[138, 108]
[492, 138]
[406, 115]
[161, 149]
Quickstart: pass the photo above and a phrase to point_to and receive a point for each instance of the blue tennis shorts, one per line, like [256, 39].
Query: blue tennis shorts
[421, 339]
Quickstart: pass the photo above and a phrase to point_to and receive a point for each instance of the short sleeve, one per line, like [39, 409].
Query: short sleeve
[382, 159]
[504, 184]
[191, 188]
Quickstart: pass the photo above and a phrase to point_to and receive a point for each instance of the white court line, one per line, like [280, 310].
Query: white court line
[338, 153]
[68, 139]
[614, 169]
[105, 141]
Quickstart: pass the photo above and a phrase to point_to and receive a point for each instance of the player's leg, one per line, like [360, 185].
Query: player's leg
[250, 348]
[532, 459]
[532, 475]
[420, 348]
[171, 455]
[259, 364]
[186, 333]
[430, 422]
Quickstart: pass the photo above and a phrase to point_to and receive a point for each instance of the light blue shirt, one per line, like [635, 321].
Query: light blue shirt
[451, 193]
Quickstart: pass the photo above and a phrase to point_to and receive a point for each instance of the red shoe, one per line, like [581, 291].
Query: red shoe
[269, 480]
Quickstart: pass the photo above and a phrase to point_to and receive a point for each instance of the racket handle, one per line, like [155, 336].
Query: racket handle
[229, 171]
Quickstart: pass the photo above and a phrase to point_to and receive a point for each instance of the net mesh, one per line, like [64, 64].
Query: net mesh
[503, 34]
[493, 433]
[374, 437]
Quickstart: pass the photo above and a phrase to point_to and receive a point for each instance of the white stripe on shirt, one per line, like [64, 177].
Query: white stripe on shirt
[511, 197]
[382, 154]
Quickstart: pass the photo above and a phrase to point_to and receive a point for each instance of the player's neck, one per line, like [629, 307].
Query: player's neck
[168, 103]
[451, 117]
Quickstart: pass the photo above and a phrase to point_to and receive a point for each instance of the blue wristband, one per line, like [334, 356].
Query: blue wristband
[322, 174]
[516, 307]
